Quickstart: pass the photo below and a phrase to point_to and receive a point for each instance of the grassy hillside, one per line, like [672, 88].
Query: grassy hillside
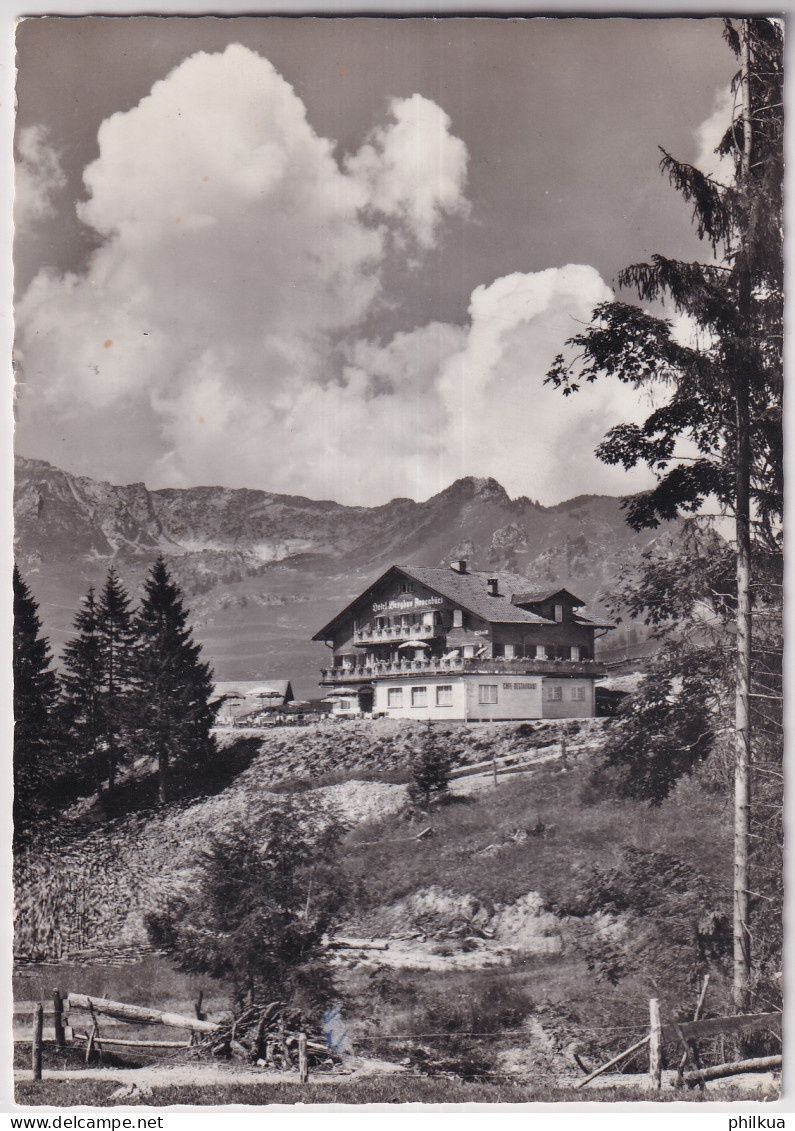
[494, 922]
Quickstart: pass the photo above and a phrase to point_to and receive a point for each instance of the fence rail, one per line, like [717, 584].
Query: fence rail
[685, 1033]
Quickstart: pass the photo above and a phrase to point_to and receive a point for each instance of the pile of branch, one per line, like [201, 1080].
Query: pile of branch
[266, 1035]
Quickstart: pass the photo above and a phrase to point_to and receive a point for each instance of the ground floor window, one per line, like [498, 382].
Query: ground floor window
[345, 704]
[419, 696]
[556, 693]
[487, 693]
[394, 697]
[444, 695]
[578, 693]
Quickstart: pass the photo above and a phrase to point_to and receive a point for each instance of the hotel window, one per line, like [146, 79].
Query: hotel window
[510, 651]
[345, 704]
[458, 618]
[407, 587]
[497, 651]
[578, 694]
[394, 697]
[556, 693]
[541, 651]
[487, 693]
[419, 696]
[558, 613]
[444, 695]
[575, 651]
[469, 651]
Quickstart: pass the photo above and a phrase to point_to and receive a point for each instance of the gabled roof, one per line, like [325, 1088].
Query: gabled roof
[535, 596]
[468, 590]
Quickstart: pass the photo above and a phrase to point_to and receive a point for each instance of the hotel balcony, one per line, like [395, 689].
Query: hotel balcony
[395, 633]
[437, 666]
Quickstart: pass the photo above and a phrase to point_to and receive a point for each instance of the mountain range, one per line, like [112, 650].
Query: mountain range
[262, 572]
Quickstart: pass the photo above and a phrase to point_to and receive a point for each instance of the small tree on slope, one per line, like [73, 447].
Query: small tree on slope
[263, 897]
[431, 767]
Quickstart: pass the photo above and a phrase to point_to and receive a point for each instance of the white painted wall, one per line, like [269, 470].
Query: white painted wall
[518, 697]
[432, 709]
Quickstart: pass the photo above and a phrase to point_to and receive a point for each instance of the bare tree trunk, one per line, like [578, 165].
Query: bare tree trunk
[742, 763]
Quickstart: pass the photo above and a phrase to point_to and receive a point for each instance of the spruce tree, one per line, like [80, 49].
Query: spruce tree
[82, 690]
[174, 686]
[726, 394]
[99, 681]
[118, 643]
[35, 692]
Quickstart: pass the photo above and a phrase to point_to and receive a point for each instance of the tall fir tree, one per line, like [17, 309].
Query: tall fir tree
[99, 682]
[35, 693]
[81, 686]
[118, 645]
[726, 399]
[174, 686]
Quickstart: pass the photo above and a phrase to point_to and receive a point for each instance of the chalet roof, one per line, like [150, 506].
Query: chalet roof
[468, 590]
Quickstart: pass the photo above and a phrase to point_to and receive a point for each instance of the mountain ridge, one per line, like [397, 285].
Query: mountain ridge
[262, 571]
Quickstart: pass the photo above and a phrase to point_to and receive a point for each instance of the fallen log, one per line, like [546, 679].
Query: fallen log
[134, 1044]
[734, 1068]
[142, 1015]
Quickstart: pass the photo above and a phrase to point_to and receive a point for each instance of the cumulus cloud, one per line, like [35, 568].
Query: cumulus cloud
[223, 331]
[412, 168]
[709, 135]
[39, 176]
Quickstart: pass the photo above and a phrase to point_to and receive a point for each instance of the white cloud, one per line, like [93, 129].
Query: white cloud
[413, 167]
[708, 137]
[39, 176]
[488, 411]
[220, 333]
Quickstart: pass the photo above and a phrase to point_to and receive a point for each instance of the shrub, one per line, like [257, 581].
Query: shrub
[264, 896]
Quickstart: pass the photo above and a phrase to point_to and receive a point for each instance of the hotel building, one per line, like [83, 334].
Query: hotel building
[450, 643]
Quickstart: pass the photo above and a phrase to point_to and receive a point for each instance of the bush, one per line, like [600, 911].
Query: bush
[265, 895]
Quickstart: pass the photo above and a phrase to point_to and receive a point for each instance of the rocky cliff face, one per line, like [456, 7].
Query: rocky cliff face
[262, 572]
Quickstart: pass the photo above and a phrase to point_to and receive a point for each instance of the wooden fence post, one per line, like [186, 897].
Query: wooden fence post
[57, 1006]
[494, 769]
[38, 1032]
[303, 1063]
[655, 1045]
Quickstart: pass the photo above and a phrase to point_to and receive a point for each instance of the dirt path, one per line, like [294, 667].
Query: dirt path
[144, 1080]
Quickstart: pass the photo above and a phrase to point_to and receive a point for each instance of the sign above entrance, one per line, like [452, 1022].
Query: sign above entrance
[407, 603]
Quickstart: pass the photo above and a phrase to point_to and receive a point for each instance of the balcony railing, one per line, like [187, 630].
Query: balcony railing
[437, 666]
[396, 632]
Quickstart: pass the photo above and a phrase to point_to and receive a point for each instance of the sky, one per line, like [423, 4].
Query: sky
[336, 257]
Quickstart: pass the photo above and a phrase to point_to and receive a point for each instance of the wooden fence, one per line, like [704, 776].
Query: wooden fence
[85, 1011]
[77, 1012]
[687, 1034]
